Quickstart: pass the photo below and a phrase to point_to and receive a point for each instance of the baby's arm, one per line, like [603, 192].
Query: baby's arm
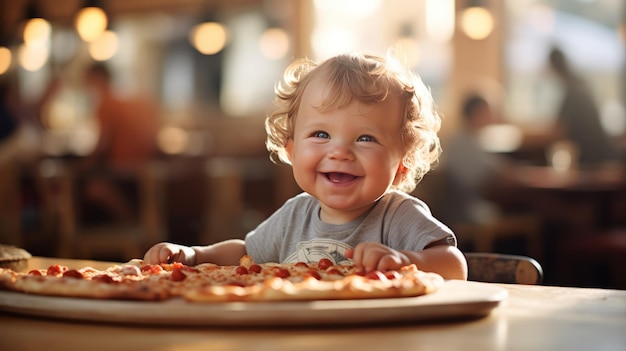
[223, 253]
[445, 260]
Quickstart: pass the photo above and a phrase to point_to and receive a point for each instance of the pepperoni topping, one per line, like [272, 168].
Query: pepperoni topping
[152, 269]
[324, 263]
[301, 264]
[178, 275]
[315, 275]
[35, 272]
[375, 275]
[391, 275]
[72, 273]
[56, 269]
[172, 266]
[177, 265]
[241, 270]
[282, 273]
[255, 268]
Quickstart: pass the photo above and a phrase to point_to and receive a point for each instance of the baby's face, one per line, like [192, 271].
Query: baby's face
[349, 157]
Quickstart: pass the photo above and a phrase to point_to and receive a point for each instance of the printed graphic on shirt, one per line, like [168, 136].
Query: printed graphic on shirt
[316, 249]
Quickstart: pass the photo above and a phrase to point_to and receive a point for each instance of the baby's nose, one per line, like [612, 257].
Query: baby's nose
[340, 151]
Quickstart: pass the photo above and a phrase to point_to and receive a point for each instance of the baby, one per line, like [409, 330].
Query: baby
[359, 132]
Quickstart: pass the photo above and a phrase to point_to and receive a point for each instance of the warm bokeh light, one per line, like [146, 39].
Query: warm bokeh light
[5, 59]
[60, 115]
[440, 20]
[91, 23]
[329, 41]
[274, 43]
[561, 160]
[500, 138]
[208, 38]
[172, 140]
[37, 32]
[104, 47]
[477, 22]
[32, 58]
[563, 155]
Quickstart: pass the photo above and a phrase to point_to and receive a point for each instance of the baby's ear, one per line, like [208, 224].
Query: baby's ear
[400, 173]
[289, 149]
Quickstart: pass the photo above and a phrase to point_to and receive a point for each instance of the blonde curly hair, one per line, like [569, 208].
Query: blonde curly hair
[370, 79]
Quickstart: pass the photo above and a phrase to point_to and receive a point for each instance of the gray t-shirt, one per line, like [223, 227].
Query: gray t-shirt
[296, 233]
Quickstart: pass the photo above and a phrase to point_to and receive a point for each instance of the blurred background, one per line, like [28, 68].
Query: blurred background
[128, 122]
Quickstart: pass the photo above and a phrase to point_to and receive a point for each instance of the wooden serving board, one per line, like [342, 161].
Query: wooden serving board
[455, 299]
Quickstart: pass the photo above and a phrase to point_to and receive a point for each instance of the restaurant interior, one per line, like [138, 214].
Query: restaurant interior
[197, 77]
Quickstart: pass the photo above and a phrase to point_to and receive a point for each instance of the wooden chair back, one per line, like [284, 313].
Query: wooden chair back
[503, 268]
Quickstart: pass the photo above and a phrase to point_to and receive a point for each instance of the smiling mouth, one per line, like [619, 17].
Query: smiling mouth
[336, 177]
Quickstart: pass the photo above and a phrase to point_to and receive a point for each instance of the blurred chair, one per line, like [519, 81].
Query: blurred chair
[501, 268]
[483, 237]
[225, 207]
[241, 193]
[111, 240]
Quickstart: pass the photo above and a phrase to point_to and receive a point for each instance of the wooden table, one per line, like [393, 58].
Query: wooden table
[532, 318]
[577, 200]
[602, 178]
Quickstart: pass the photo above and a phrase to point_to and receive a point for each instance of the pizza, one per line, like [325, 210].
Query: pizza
[249, 281]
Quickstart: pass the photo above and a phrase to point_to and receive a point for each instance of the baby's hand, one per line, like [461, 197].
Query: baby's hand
[168, 252]
[372, 256]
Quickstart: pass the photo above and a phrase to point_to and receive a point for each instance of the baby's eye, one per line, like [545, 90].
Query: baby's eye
[320, 134]
[366, 138]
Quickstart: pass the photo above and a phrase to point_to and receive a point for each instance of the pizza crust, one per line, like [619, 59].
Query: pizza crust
[71, 287]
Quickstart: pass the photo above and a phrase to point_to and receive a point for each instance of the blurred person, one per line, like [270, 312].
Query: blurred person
[477, 184]
[359, 131]
[578, 116]
[469, 168]
[128, 129]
